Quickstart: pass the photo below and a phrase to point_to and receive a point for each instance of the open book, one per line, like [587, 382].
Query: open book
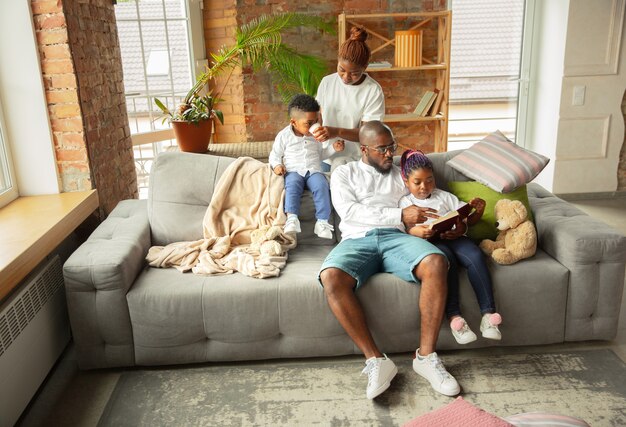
[446, 222]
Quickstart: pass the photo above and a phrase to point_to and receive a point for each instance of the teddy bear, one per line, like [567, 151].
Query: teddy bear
[517, 237]
[263, 240]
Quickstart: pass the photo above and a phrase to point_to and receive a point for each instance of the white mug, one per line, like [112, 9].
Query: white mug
[314, 127]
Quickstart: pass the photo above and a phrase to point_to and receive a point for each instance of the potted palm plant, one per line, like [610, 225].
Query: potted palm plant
[258, 44]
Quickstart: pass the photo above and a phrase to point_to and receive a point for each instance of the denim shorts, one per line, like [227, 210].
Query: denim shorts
[387, 250]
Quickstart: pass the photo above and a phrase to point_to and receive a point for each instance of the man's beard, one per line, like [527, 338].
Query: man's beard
[378, 167]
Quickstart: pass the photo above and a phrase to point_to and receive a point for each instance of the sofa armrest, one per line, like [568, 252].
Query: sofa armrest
[595, 255]
[97, 277]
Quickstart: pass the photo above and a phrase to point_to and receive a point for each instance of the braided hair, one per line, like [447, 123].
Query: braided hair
[413, 160]
[354, 49]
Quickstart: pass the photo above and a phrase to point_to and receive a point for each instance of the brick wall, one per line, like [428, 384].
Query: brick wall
[220, 22]
[264, 113]
[82, 72]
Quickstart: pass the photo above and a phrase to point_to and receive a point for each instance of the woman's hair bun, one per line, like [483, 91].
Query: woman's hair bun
[358, 34]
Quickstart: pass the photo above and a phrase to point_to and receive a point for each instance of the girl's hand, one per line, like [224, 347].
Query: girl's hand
[422, 231]
[280, 170]
[459, 230]
[478, 204]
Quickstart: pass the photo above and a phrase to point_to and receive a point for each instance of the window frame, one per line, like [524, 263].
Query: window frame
[12, 192]
[197, 62]
[523, 104]
[521, 109]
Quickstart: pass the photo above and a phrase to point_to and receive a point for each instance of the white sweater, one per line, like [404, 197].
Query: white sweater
[366, 199]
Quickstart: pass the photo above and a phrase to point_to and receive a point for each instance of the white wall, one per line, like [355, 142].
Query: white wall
[590, 136]
[578, 43]
[23, 98]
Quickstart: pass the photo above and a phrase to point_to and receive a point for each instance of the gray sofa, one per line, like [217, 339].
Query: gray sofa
[124, 313]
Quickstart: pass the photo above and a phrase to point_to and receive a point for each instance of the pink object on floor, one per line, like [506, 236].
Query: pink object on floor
[458, 414]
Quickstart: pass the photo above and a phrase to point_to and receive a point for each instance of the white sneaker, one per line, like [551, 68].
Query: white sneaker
[431, 368]
[292, 225]
[489, 326]
[323, 229]
[380, 371]
[461, 331]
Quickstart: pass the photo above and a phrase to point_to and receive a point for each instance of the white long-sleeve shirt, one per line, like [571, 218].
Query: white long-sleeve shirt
[366, 199]
[441, 201]
[299, 154]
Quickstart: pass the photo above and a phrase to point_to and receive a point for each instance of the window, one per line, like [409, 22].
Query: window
[158, 63]
[8, 189]
[487, 86]
[158, 56]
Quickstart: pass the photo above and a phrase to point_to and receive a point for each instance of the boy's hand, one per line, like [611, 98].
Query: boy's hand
[422, 231]
[321, 134]
[280, 170]
[339, 145]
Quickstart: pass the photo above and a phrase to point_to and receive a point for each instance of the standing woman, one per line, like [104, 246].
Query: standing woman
[350, 96]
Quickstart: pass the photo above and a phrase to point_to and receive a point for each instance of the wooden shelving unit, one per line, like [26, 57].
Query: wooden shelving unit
[440, 66]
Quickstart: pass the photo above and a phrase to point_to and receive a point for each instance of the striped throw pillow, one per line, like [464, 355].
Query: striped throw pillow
[499, 163]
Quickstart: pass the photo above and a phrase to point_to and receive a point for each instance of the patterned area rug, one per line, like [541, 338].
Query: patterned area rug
[590, 385]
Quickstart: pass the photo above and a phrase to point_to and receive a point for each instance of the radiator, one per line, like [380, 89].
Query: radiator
[34, 330]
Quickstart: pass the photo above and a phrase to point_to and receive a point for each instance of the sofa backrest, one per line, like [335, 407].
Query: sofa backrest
[443, 172]
[181, 186]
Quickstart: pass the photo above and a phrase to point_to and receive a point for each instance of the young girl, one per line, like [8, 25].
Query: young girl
[417, 172]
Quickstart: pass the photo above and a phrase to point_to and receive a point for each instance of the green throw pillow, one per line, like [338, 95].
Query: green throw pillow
[486, 227]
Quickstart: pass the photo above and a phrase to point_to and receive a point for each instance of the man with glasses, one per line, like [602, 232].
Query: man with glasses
[365, 194]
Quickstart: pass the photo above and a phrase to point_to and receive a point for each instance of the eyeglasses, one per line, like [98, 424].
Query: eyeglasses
[382, 149]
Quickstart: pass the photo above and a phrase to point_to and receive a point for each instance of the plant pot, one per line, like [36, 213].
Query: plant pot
[193, 137]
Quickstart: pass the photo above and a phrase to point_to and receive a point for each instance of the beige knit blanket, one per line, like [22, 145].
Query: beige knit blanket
[247, 197]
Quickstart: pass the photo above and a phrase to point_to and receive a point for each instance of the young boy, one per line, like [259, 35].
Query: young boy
[297, 155]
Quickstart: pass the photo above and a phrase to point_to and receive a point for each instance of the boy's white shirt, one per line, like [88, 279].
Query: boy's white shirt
[440, 200]
[299, 154]
[366, 199]
[346, 106]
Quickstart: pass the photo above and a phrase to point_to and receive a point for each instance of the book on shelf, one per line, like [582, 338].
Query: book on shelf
[422, 105]
[430, 102]
[446, 222]
[437, 104]
[379, 65]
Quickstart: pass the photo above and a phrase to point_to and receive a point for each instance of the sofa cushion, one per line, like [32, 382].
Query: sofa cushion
[485, 228]
[198, 317]
[181, 186]
[499, 163]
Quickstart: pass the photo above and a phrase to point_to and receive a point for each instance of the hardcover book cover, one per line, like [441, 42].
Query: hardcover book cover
[446, 222]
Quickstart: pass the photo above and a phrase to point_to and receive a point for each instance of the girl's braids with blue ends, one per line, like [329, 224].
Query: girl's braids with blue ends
[412, 160]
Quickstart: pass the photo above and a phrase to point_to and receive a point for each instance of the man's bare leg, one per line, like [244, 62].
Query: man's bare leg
[432, 272]
[339, 290]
